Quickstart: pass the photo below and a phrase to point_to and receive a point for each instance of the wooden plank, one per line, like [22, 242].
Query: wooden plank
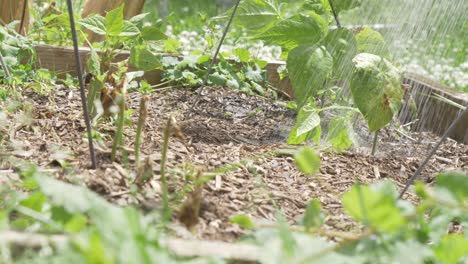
[434, 115]
[11, 10]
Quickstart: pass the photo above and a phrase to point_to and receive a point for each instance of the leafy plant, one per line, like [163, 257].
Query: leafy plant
[319, 58]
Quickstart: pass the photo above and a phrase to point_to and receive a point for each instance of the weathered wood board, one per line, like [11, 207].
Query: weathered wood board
[11, 10]
[433, 114]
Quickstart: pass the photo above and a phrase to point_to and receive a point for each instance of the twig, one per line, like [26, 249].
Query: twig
[141, 122]
[213, 59]
[4, 66]
[23, 16]
[424, 163]
[165, 199]
[82, 88]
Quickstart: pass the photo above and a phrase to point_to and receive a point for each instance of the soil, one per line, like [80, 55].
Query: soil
[225, 127]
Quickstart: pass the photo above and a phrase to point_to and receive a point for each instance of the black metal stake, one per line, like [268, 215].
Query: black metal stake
[213, 59]
[423, 164]
[338, 24]
[82, 88]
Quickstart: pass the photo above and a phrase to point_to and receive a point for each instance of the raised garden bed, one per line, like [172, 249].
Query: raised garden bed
[433, 115]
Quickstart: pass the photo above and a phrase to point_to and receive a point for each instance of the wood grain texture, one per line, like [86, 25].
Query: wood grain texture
[11, 10]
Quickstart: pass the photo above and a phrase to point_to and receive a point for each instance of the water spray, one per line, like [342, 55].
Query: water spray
[213, 59]
[424, 163]
[82, 88]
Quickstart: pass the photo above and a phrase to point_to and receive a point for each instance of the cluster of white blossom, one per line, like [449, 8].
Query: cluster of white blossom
[436, 62]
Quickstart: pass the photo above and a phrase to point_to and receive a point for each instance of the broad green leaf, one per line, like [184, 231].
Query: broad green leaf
[376, 88]
[307, 126]
[343, 5]
[320, 7]
[253, 74]
[255, 14]
[152, 33]
[374, 208]
[114, 21]
[307, 161]
[242, 54]
[451, 249]
[310, 121]
[171, 45]
[340, 133]
[342, 46]
[144, 59]
[94, 23]
[313, 217]
[455, 182]
[129, 30]
[295, 31]
[34, 201]
[243, 221]
[371, 41]
[309, 66]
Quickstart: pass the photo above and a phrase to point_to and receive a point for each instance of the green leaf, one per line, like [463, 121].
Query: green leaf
[35, 201]
[243, 221]
[152, 33]
[377, 209]
[343, 5]
[371, 41]
[340, 133]
[94, 65]
[129, 30]
[94, 23]
[171, 45]
[242, 54]
[296, 30]
[309, 66]
[307, 161]
[451, 249]
[307, 126]
[342, 46]
[455, 182]
[376, 88]
[114, 21]
[144, 59]
[313, 217]
[255, 14]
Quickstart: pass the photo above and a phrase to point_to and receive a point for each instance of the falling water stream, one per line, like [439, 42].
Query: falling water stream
[425, 37]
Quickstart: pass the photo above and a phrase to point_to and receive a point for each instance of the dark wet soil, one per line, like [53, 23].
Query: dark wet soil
[226, 127]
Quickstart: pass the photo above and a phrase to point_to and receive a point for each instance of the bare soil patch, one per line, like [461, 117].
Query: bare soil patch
[224, 128]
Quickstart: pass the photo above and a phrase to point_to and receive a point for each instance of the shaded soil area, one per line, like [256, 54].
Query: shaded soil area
[224, 128]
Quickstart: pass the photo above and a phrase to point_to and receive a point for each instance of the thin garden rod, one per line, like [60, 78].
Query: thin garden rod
[213, 59]
[423, 164]
[4, 66]
[23, 16]
[338, 24]
[82, 89]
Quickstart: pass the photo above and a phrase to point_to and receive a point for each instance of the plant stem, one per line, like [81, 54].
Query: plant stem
[338, 24]
[141, 123]
[120, 124]
[82, 89]
[374, 142]
[4, 66]
[165, 199]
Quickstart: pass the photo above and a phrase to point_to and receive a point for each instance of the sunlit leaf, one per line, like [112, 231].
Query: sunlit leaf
[114, 21]
[371, 41]
[242, 54]
[307, 160]
[243, 221]
[94, 23]
[373, 208]
[455, 182]
[452, 248]
[295, 31]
